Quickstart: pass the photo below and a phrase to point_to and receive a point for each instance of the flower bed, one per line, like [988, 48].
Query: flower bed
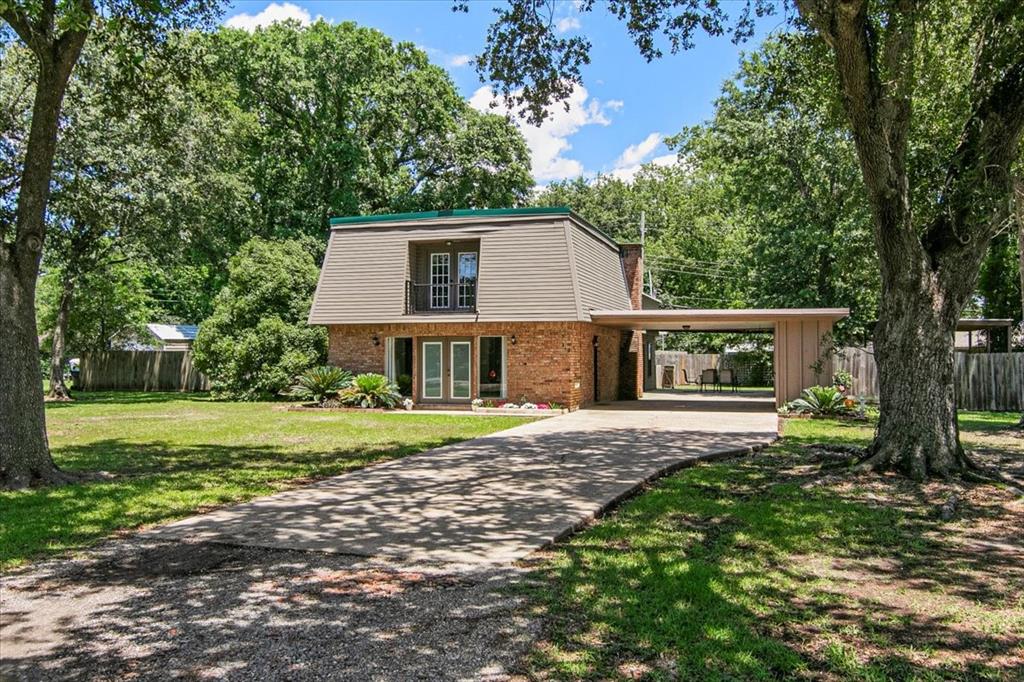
[842, 416]
[318, 407]
[521, 408]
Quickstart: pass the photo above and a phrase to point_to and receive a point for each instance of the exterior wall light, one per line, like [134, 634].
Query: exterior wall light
[595, 340]
[513, 339]
[376, 340]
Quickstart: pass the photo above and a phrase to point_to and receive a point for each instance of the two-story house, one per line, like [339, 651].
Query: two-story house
[482, 303]
[531, 303]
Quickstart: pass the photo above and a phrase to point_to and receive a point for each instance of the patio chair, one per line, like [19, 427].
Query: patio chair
[727, 377]
[687, 380]
[709, 377]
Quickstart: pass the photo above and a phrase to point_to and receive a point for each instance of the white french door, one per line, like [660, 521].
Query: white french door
[460, 369]
[433, 370]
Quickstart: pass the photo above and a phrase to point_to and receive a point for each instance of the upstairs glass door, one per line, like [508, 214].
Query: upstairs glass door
[467, 279]
[440, 274]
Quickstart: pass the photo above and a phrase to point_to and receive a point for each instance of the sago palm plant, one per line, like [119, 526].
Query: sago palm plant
[320, 384]
[371, 390]
[824, 400]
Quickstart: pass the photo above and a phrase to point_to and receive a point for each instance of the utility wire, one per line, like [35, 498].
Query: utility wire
[714, 275]
[670, 259]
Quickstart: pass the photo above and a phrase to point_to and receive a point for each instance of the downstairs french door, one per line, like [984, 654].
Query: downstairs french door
[446, 370]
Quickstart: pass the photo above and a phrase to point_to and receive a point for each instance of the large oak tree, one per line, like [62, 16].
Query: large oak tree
[55, 33]
[931, 230]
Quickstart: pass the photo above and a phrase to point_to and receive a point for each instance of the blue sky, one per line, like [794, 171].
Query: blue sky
[617, 120]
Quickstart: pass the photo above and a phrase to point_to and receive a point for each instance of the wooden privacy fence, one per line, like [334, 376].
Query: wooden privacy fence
[750, 371]
[678, 361]
[140, 370]
[984, 381]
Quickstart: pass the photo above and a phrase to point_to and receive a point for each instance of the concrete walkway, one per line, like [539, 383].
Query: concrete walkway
[493, 500]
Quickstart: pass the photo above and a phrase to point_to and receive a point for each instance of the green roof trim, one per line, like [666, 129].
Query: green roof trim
[451, 213]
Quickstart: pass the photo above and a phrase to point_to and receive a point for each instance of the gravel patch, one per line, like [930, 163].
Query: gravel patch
[173, 610]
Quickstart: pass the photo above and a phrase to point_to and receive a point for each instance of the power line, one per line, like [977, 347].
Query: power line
[696, 297]
[674, 259]
[696, 273]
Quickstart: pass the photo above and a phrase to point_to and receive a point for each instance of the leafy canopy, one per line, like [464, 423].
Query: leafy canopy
[257, 340]
[346, 122]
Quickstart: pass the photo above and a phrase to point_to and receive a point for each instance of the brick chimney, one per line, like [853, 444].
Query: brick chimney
[633, 269]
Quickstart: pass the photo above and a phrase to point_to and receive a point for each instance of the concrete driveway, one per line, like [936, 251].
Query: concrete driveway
[411, 578]
[493, 500]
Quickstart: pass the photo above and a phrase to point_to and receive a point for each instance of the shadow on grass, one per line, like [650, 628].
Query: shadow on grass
[157, 482]
[731, 571]
[127, 398]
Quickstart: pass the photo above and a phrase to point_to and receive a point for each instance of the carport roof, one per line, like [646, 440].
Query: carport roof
[713, 319]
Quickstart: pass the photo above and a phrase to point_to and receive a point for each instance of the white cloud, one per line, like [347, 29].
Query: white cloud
[635, 156]
[459, 60]
[549, 142]
[567, 24]
[272, 13]
[636, 153]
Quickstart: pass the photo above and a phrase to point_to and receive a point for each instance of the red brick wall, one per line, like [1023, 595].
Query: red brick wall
[633, 269]
[631, 366]
[608, 354]
[549, 361]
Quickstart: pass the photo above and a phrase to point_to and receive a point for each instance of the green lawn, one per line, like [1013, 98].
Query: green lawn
[174, 454]
[778, 566]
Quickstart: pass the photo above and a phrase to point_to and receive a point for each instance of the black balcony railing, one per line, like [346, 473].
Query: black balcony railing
[454, 297]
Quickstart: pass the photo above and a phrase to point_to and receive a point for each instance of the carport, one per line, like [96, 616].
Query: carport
[802, 336]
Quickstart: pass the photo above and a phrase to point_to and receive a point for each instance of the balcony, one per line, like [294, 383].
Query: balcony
[440, 299]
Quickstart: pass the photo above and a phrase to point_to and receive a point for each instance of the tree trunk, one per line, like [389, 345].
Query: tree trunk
[1018, 204]
[58, 389]
[24, 450]
[917, 430]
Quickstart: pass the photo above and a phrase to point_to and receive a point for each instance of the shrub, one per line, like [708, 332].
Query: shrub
[257, 340]
[370, 390]
[404, 382]
[823, 400]
[754, 366]
[320, 384]
[844, 379]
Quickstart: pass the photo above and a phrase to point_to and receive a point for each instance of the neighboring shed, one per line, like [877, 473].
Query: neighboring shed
[977, 333]
[174, 336]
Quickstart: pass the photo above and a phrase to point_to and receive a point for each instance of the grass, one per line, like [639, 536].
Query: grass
[172, 455]
[778, 566]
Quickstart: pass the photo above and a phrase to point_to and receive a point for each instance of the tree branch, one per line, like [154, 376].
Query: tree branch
[975, 196]
[845, 27]
[28, 33]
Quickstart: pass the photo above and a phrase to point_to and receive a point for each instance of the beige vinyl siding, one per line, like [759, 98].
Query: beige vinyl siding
[601, 283]
[524, 272]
